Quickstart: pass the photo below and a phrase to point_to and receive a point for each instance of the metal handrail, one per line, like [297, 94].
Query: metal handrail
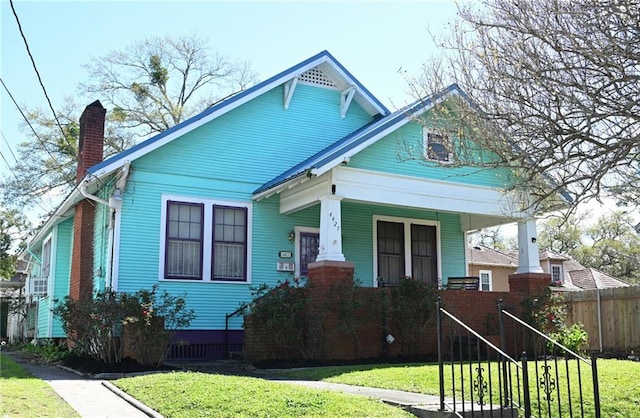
[484, 340]
[521, 322]
[226, 325]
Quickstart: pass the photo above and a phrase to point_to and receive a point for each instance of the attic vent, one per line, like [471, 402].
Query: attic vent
[317, 77]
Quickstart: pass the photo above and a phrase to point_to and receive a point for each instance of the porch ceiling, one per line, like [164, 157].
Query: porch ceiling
[477, 206]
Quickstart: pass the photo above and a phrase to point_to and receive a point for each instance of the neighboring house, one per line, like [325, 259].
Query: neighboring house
[302, 167]
[11, 304]
[494, 267]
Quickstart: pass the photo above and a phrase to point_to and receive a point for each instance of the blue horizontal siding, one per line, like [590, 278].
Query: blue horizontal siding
[357, 226]
[258, 141]
[389, 155]
[62, 271]
[227, 159]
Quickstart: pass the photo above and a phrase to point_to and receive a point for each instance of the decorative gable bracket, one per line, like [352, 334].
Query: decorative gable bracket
[289, 88]
[345, 100]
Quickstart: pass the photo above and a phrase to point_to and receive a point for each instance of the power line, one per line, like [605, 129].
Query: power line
[29, 123]
[9, 165]
[9, 146]
[33, 63]
[38, 200]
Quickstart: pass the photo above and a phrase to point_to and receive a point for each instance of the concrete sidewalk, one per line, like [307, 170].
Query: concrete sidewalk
[92, 397]
[89, 397]
[418, 404]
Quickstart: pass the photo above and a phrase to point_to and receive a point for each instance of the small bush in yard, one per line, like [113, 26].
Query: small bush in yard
[548, 314]
[152, 322]
[282, 312]
[96, 325]
[411, 311]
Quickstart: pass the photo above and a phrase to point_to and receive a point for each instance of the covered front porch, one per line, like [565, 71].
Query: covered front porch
[392, 226]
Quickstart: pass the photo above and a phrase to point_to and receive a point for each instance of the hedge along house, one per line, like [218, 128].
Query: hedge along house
[302, 167]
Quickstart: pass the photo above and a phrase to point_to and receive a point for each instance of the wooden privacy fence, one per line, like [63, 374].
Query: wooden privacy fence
[611, 317]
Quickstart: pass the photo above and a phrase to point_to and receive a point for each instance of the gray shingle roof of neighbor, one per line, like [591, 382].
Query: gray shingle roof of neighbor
[577, 276]
[481, 255]
[590, 278]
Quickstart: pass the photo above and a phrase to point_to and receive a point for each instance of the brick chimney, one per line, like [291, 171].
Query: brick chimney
[90, 145]
[91, 142]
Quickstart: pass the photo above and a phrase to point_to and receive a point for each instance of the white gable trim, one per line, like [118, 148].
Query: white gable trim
[232, 104]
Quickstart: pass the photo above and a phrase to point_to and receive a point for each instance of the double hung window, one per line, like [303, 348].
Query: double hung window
[205, 240]
[40, 284]
[184, 240]
[406, 248]
[556, 274]
[485, 280]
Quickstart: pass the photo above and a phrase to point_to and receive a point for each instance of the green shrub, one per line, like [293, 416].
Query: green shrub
[152, 322]
[548, 314]
[48, 350]
[574, 338]
[282, 312]
[412, 308]
[95, 325]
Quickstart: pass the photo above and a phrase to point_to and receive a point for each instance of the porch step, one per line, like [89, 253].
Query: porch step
[427, 411]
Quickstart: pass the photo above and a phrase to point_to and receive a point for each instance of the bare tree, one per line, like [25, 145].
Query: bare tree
[552, 94]
[47, 162]
[156, 83]
[148, 87]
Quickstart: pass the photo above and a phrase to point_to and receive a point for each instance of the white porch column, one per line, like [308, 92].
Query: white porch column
[528, 256]
[330, 229]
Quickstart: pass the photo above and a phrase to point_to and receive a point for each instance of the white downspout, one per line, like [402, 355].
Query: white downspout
[115, 204]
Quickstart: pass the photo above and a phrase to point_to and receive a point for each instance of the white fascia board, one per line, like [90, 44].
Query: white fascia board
[59, 215]
[353, 151]
[471, 222]
[213, 115]
[304, 195]
[359, 91]
[399, 190]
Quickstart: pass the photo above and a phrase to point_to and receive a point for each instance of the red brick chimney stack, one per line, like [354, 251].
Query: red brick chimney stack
[90, 146]
[91, 142]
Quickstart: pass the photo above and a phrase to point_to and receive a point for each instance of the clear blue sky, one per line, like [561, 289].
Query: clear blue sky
[372, 39]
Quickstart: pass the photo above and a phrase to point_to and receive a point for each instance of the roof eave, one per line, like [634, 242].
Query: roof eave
[232, 103]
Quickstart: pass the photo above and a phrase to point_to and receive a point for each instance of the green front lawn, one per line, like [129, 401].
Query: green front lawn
[619, 382]
[22, 395]
[189, 394]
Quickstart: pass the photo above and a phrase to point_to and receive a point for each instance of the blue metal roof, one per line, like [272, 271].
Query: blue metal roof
[358, 137]
[244, 95]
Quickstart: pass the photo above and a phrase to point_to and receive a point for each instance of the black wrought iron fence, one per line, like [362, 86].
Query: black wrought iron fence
[526, 373]
[562, 382]
[477, 378]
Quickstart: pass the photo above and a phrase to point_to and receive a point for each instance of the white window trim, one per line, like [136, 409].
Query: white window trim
[551, 266]
[425, 146]
[488, 273]
[207, 238]
[407, 242]
[298, 230]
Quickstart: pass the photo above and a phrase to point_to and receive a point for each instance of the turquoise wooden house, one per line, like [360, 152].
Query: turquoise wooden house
[302, 167]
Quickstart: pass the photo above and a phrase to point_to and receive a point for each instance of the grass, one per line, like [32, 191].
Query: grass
[26, 396]
[207, 395]
[619, 383]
